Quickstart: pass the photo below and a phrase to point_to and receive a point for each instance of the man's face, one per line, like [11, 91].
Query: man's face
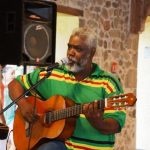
[78, 54]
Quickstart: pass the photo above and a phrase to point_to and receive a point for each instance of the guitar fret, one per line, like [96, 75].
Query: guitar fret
[66, 113]
[63, 114]
[79, 109]
[69, 111]
[56, 115]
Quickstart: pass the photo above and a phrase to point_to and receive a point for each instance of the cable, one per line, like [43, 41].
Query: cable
[8, 138]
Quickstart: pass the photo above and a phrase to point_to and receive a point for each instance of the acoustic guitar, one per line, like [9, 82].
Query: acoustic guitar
[57, 117]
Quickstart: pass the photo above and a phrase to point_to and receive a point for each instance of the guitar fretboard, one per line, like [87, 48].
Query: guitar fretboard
[63, 113]
[115, 102]
[68, 112]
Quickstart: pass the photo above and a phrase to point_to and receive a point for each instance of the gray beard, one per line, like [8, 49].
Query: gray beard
[74, 68]
[77, 66]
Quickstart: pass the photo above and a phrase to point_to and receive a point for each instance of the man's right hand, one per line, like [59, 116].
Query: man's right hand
[27, 111]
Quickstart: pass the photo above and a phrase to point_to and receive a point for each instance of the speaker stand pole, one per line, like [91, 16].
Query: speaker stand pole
[24, 69]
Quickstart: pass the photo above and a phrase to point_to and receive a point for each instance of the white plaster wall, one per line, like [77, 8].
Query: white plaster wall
[143, 90]
[65, 25]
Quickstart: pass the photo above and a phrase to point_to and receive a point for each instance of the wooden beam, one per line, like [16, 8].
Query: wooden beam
[137, 13]
[69, 10]
[140, 9]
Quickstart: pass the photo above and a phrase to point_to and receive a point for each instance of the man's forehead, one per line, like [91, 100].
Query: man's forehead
[76, 40]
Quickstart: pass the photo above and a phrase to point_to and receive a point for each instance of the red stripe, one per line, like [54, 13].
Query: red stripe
[79, 147]
[22, 79]
[42, 74]
[104, 83]
[115, 108]
[85, 81]
[59, 76]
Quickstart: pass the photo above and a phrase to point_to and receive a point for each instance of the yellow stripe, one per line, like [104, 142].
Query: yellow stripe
[73, 81]
[42, 74]
[97, 85]
[62, 79]
[82, 116]
[99, 82]
[25, 82]
[113, 111]
[106, 111]
[57, 73]
[74, 144]
[27, 86]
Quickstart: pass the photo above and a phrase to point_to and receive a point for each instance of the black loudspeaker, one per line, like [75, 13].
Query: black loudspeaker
[33, 32]
[10, 31]
[39, 32]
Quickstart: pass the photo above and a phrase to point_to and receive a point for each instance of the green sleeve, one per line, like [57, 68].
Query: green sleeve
[27, 80]
[119, 115]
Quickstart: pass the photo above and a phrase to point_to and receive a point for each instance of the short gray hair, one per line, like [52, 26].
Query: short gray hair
[87, 35]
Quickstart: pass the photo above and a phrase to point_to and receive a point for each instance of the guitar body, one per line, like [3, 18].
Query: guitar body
[40, 131]
[57, 118]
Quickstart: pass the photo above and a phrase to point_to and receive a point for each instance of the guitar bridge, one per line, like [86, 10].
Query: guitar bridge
[27, 129]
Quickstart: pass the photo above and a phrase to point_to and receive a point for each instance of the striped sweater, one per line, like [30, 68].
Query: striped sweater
[98, 86]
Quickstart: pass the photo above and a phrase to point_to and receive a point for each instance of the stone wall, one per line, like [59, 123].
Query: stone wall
[111, 21]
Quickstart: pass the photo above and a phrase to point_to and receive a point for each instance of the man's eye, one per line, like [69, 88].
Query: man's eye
[79, 49]
[69, 46]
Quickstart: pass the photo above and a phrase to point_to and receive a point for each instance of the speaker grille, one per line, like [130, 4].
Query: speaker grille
[39, 31]
[37, 41]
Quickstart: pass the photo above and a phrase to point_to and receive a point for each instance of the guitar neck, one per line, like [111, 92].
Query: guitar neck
[69, 112]
[115, 102]
[65, 113]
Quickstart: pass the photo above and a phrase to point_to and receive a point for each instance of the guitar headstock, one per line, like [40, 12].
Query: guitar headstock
[118, 101]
